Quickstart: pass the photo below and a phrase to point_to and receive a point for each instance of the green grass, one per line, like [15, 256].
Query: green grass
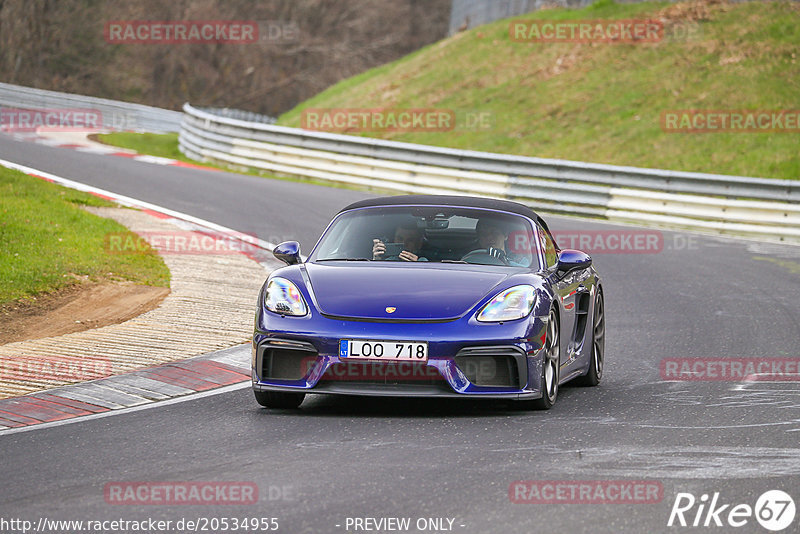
[603, 102]
[48, 242]
[161, 145]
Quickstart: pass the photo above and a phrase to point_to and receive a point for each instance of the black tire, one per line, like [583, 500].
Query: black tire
[551, 365]
[279, 399]
[595, 373]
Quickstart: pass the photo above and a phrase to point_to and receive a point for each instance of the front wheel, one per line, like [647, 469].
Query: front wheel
[595, 373]
[551, 365]
[279, 399]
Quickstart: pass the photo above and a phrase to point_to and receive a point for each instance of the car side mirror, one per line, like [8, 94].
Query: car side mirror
[288, 252]
[570, 260]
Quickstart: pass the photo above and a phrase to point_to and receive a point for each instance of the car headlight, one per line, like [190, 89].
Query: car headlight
[508, 305]
[284, 298]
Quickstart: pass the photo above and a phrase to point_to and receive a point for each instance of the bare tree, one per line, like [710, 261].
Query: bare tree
[60, 45]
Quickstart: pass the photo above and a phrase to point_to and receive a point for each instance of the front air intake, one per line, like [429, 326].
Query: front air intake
[280, 360]
[492, 366]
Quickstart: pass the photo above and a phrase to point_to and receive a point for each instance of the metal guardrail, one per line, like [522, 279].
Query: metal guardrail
[241, 115]
[759, 207]
[115, 115]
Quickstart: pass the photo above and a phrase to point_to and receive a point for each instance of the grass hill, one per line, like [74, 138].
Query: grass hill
[603, 102]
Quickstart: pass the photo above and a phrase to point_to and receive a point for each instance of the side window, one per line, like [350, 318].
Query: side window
[549, 247]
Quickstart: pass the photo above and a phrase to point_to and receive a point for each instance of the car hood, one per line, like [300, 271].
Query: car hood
[417, 292]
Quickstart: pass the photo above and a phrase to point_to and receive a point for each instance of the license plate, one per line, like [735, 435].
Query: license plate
[396, 351]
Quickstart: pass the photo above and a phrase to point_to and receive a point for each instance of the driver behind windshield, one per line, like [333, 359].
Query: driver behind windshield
[492, 238]
[412, 239]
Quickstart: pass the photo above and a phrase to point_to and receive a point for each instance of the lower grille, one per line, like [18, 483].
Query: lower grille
[491, 367]
[397, 373]
[278, 360]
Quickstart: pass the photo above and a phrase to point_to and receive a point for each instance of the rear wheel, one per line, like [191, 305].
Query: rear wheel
[595, 374]
[279, 399]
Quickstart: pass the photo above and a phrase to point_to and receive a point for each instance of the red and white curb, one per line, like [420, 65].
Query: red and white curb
[132, 390]
[81, 143]
[206, 374]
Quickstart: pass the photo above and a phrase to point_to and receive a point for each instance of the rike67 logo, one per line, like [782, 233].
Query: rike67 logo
[774, 510]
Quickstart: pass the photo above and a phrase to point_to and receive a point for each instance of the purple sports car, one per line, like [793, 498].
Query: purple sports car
[435, 296]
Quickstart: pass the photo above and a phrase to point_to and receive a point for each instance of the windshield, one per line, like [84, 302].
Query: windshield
[429, 234]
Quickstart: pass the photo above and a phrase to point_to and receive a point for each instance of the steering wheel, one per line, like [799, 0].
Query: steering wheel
[482, 256]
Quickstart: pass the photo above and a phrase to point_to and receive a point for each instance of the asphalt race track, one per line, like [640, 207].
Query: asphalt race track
[340, 458]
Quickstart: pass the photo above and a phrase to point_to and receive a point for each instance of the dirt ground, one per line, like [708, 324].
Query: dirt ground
[77, 308]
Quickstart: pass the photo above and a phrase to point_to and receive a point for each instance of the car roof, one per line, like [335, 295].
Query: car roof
[449, 200]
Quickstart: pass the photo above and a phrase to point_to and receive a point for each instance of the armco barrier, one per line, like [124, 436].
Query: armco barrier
[757, 207]
[115, 115]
